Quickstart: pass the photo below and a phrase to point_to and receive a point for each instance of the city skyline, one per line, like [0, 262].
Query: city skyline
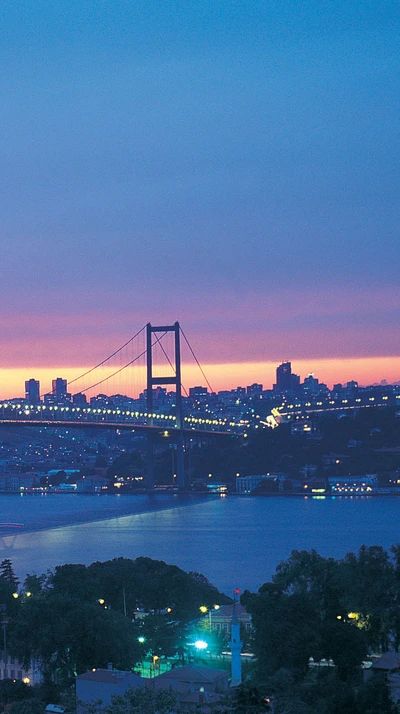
[12, 382]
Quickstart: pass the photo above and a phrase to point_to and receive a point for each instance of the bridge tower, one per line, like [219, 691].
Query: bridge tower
[153, 381]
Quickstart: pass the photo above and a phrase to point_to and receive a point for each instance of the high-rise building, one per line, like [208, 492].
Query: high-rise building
[79, 399]
[59, 389]
[254, 390]
[32, 391]
[311, 385]
[195, 392]
[286, 381]
[284, 377]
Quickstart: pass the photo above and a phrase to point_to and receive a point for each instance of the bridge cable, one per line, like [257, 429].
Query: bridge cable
[121, 368]
[196, 360]
[106, 360]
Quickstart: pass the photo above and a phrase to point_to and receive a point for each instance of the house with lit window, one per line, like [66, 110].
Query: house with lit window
[11, 668]
[220, 620]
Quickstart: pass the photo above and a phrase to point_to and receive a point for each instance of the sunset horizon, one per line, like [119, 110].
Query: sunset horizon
[222, 376]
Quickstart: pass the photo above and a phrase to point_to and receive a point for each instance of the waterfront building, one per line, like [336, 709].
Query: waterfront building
[92, 484]
[248, 484]
[355, 485]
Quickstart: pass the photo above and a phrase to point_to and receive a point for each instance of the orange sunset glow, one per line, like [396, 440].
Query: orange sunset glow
[222, 376]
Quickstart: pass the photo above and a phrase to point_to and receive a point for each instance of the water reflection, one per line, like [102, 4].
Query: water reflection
[235, 542]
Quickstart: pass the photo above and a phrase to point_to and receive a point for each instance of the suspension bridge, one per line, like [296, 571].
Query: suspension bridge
[152, 357]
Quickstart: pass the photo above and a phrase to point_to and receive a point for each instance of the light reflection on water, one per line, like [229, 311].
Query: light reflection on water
[235, 542]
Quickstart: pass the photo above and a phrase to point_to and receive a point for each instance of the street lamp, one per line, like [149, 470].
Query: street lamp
[205, 609]
[200, 645]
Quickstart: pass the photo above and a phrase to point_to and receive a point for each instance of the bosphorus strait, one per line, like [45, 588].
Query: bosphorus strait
[232, 541]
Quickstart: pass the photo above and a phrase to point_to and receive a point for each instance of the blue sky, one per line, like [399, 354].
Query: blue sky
[233, 165]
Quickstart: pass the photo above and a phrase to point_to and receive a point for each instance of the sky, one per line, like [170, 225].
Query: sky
[231, 165]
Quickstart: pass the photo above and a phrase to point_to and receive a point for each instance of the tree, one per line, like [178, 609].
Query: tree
[248, 699]
[7, 573]
[303, 614]
[70, 636]
[6, 598]
[57, 478]
[162, 636]
[72, 580]
[13, 691]
[35, 584]
[124, 584]
[29, 706]
[346, 645]
[286, 629]
[368, 582]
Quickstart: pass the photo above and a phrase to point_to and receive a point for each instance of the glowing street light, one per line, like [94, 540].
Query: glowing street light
[200, 645]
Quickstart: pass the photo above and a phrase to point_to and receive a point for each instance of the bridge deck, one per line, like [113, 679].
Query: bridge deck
[121, 425]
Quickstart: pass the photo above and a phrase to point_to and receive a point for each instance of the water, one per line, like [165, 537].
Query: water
[235, 542]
